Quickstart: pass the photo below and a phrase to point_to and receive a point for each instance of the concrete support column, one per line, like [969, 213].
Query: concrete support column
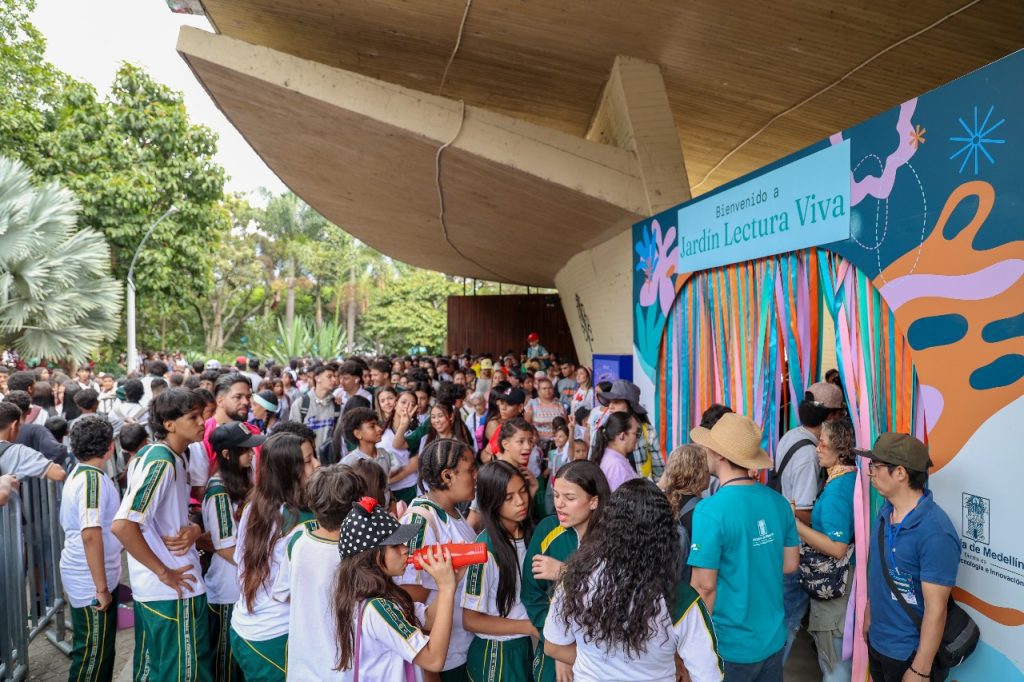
[596, 285]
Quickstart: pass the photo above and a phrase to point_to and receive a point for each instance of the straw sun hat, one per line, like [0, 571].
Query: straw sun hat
[736, 438]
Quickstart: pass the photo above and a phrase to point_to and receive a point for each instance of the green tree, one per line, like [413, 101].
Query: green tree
[57, 299]
[235, 290]
[31, 85]
[410, 310]
[128, 159]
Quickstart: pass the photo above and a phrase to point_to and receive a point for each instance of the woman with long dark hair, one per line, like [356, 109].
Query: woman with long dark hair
[613, 444]
[226, 492]
[580, 490]
[621, 612]
[378, 632]
[491, 606]
[446, 422]
[275, 506]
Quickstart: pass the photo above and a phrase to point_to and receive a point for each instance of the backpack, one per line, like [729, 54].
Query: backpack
[304, 409]
[684, 535]
[775, 477]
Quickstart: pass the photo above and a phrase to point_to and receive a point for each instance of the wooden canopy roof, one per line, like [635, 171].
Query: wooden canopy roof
[729, 68]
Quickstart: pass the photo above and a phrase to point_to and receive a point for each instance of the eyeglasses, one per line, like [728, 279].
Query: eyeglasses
[875, 466]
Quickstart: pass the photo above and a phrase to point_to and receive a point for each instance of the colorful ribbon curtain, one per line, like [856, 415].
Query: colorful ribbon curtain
[882, 394]
[748, 336]
[740, 335]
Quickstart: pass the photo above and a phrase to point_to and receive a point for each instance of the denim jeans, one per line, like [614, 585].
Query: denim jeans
[795, 600]
[768, 670]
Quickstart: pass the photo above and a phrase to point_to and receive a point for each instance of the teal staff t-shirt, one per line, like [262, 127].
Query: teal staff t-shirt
[741, 531]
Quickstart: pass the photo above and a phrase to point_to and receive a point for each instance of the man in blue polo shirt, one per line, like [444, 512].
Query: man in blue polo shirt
[921, 555]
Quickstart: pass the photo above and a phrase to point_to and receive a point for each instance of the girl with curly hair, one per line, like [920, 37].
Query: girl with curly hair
[685, 479]
[491, 606]
[580, 490]
[621, 612]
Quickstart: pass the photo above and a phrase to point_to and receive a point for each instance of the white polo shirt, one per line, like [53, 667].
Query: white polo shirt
[481, 593]
[687, 632]
[311, 565]
[157, 499]
[222, 586]
[439, 527]
[386, 643]
[270, 610]
[89, 500]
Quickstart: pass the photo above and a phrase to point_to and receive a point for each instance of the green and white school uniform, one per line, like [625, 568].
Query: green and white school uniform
[553, 540]
[496, 658]
[90, 500]
[222, 585]
[259, 636]
[437, 527]
[685, 631]
[171, 632]
[311, 564]
[388, 643]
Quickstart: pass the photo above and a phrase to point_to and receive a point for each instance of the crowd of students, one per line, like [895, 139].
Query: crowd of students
[269, 513]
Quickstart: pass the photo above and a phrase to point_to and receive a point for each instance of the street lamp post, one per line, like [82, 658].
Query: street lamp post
[132, 358]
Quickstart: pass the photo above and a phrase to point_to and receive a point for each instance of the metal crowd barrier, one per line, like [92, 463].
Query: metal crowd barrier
[31, 541]
[13, 611]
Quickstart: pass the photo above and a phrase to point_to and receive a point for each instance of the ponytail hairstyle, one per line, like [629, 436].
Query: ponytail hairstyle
[361, 577]
[437, 457]
[592, 480]
[491, 490]
[511, 428]
[616, 424]
[278, 484]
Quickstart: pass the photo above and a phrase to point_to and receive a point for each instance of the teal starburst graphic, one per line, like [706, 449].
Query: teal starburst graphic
[977, 138]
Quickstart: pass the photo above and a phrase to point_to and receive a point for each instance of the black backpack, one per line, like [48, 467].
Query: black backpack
[775, 477]
[684, 534]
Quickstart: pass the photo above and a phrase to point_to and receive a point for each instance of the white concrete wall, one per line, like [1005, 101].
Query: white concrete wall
[602, 278]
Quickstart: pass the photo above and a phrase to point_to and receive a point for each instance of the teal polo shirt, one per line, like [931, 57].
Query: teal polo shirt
[742, 531]
[833, 511]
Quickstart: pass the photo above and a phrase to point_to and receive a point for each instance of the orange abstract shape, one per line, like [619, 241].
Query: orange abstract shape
[948, 368]
[1004, 615]
[917, 135]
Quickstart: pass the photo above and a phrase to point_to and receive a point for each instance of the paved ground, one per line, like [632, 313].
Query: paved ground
[47, 664]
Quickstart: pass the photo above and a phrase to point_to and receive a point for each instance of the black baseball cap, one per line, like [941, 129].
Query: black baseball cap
[899, 449]
[512, 396]
[233, 436]
[368, 525]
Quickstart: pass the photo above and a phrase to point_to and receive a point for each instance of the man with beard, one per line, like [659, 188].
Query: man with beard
[233, 395]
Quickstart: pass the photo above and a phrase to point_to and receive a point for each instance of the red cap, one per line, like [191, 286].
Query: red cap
[533, 337]
[241, 358]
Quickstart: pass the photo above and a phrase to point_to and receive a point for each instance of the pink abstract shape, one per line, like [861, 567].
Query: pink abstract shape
[933, 402]
[660, 284]
[881, 186]
[976, 286]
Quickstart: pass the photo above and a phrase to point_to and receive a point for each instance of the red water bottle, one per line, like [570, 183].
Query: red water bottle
[463, 554]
